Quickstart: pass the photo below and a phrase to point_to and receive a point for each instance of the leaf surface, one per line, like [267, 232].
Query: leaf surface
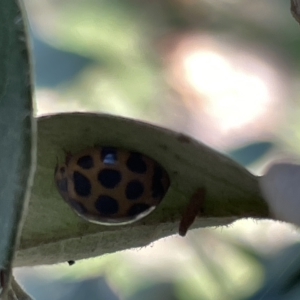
[53, 233]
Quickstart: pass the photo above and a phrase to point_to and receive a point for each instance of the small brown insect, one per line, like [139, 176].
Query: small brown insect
[111, 186]
[194, 207]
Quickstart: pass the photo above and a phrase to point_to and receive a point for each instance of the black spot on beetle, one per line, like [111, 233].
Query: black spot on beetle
[134, 190]
[63, 185]
[136, 164]
[137, 209]
[109, 178]
[82, 184]
[85, 162]
[107, 205]
[109, 155]
[158, 173]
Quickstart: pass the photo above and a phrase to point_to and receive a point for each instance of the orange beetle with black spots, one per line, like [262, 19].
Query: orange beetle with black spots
[111, 186]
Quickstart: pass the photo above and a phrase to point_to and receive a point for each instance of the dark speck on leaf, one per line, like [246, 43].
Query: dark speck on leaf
[71, 262]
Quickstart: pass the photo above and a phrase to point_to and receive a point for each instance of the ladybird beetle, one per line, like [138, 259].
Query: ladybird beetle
[111, 186]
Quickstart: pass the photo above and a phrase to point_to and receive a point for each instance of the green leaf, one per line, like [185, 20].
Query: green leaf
[16, 128]
[53, 233]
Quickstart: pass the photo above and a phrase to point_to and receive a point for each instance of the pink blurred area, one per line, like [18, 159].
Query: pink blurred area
[231, 93]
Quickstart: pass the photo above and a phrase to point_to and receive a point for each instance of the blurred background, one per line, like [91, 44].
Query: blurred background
[225, 72]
